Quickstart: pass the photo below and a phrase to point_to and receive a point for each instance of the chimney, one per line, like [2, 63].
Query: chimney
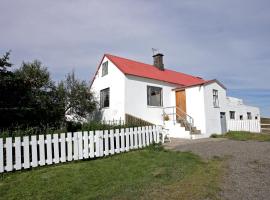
[158, 61]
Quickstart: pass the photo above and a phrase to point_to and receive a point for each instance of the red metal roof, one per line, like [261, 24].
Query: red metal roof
[135, 68]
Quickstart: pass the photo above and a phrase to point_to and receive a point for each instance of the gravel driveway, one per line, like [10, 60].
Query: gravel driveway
[248, 172]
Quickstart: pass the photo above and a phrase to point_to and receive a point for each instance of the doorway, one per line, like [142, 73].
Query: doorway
[223, 122]
[180, 101]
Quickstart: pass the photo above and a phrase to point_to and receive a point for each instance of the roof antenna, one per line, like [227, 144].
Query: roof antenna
[155, 51]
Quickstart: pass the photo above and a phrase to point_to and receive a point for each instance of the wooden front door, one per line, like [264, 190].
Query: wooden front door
[180, 99]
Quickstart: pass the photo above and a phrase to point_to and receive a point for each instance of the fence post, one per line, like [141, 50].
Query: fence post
[1, 156]
[18, 164]
[9, 160]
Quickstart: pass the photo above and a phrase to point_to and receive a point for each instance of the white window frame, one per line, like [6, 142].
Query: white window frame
[148, 97]
[103, 96]
[104, 68]
[215, 99]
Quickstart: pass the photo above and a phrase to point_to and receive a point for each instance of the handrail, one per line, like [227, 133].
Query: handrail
[188, 120]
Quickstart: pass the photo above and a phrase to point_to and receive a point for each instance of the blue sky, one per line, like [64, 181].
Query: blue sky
[224, 39]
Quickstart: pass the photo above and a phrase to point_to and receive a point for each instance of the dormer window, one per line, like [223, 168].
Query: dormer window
[105, 68]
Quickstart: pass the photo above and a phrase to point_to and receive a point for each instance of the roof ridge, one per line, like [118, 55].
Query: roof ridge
[193, 76]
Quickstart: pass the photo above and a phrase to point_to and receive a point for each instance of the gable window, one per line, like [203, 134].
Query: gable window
[249, 115]
[232, 114]
[241, 117]
[154, 96]
[215, 99]
[105, 98]
[105, 68]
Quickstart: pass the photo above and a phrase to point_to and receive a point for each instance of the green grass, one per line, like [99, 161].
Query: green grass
[243, 136]
[144, 174]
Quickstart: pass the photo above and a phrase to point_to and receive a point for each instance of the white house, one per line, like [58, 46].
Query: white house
[189, 106]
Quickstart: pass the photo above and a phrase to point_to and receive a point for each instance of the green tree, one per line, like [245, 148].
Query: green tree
[79, 101]
[4, 62]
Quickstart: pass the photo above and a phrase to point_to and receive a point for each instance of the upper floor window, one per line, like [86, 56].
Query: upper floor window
[105, 68]
[249, 115]
[215, 99]
[105, 98]
[154, 96]
[232, 114]
[241, 117]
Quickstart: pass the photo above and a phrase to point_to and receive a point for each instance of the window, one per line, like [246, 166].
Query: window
[241, 117]
[232, 114]
[105, 98]
[105, 68]
[256, 117]
[249, 115]
[154, 96]
[215, 99]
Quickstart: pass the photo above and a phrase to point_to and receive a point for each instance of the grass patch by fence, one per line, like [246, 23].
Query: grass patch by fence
[152, 173]
[243, 136]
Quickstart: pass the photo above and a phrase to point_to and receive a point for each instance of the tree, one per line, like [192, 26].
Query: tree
[4, 62]
[79, 101]
[29, 98]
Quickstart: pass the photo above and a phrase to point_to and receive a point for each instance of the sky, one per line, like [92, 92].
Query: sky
[224, 39]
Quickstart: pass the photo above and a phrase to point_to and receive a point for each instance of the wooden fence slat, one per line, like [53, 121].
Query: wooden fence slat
[106, 142]
[75, 146]
[69, 147]
[101, 148]
[49, 149]
[41, 144]
[117, 139]
[147, 135]
[18, 161]
[26, 159]
[34, 162]
[143, 137]
[56, 148]
[9, 162]
[97, 144]
[80, 145]
[131, 136]
[63, 147]
[154, 134]
[150, 134]
[91, 144]
[158, 134]
[1, 155]
[85, 144]
[111, 142]
[122, 134]
[127, 138]
[140, 136]
[135, 133]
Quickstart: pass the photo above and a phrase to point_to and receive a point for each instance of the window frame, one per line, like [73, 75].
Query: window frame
[249, 116]
[232, 116]
[103, 96]
[103, 71]
[148, 89]
[215, 98]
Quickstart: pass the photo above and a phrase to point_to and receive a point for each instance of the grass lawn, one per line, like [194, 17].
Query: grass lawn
[242, 135]
[152, 173]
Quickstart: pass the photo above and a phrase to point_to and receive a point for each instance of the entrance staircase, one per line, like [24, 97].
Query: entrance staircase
[179, 123]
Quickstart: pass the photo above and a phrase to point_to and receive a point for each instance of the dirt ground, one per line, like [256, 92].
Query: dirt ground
[248, 165]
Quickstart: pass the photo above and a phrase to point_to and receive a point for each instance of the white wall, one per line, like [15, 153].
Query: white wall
[195, 106]
[136, 98]
[115, 80]
[226, 104]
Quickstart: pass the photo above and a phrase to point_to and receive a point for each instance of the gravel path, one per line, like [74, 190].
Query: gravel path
[248, 172]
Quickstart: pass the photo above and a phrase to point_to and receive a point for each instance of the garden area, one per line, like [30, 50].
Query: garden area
[151, 173]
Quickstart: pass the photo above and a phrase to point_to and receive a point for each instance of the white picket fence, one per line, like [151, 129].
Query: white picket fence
[244, 125]
[33, 151]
